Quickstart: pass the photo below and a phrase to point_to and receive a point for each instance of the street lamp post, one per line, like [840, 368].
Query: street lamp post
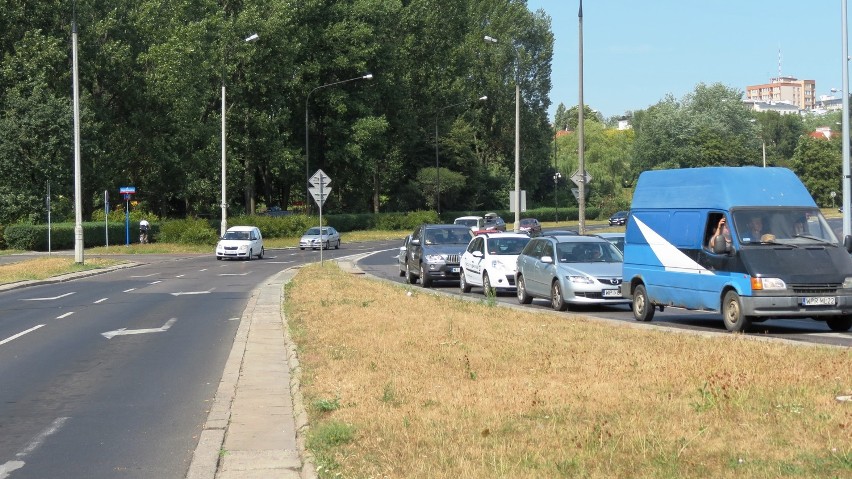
[489, 39]
[224, 225]
[368, 76]
[437, 163]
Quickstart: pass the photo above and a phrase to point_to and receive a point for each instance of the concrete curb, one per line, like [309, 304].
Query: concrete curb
[65, 277]
[231, 418]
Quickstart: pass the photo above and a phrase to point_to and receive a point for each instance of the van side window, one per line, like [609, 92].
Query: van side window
[710, 229]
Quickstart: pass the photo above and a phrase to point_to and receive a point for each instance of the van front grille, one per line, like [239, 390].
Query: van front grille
[815, 289]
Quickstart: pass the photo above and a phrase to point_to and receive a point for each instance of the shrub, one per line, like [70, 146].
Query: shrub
[190, 231]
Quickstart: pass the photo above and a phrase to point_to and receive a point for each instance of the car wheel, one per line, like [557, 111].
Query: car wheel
[643, 310]
[839, 323]
[557, 299]
[732, 313]
[410, 277]
[487, 289]
[464, 286]
[327, 244]
[402, 270]
[218, 258]
[303, 249]
[424, 280]
[260, 255]
[523, 297]
[337, 246]
[251, 253]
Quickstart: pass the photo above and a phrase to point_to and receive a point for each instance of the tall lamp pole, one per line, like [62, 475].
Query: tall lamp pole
[489, 39]
[581, 137]
[847, 188]
[368, 76]
[437, 163]
[224, 226]
[78, 188]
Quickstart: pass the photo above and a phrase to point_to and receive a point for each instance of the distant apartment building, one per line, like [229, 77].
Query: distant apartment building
[784, 90]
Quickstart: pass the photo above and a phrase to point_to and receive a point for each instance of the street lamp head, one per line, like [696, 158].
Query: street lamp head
[490, 39]
[368, 76]
[252, 37]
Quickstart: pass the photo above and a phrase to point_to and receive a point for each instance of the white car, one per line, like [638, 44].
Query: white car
[243, 242]
[325, 239]
[491, 261]
[475, 223]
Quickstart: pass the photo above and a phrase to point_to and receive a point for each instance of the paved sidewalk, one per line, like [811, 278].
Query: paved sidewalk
[254, 428]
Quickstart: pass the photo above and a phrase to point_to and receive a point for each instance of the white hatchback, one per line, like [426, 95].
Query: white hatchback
[243, 242]
[490, 262]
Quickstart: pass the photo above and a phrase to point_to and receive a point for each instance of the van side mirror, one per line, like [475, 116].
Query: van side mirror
[847, 243]
[721, 246]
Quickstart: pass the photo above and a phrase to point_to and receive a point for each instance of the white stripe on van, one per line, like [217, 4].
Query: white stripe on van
[669, 256]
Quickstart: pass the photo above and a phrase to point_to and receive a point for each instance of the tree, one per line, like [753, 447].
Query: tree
[817, 162]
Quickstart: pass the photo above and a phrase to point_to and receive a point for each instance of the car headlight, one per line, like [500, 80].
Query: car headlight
[767, 283]
[847, 283]
[243, 248]
[436, 258]
[580, 279]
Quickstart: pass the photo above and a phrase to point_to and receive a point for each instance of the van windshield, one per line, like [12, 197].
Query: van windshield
[786, 225]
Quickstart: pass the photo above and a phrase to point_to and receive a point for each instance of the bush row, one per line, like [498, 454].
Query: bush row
[32, 237]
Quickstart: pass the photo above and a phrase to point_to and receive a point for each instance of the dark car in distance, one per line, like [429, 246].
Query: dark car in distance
[619, 218]
[530, 226]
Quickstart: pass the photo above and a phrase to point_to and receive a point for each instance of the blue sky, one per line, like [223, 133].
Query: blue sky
[635, 52]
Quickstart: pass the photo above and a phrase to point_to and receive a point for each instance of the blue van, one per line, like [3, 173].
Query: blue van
[748, 242]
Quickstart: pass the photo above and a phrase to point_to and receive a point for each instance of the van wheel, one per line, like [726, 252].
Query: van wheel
[463, 284]
[732, 313]
[251, 253]
[840, 323]
[557, 299]
[260, 255]
[523, 297]
[643, 310]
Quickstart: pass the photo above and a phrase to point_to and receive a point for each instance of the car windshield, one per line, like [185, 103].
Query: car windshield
[588, 252]
[237, 235]
[448, 236]
[506, 246]
[316, 231]
[788, 225]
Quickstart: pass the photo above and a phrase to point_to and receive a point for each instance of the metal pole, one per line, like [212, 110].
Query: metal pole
[517, 148]
[437, 166]
[847, 194]
[224, 226]
[580, 132]
[78, 188]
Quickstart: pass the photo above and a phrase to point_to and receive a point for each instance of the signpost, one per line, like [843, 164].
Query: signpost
[127, 192]
[320, 190]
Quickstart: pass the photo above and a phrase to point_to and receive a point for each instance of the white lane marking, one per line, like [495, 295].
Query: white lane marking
[12, 338]
[205, 269]
[65, 315]
[39, 439]
[180, 276]
[11, 466]
[144, 276]
[234, 274]
[101, 300]
[128, 290]
[49, 299]
[233, 319]
[125, 331]
[182, 293]
[155, 282]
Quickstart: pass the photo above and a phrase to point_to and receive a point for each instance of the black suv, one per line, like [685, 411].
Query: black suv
[434, 253]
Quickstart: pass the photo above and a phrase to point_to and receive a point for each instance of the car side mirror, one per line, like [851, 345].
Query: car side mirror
[847, 243]
[415, 242]
[720, 246]
[546, 259]
[478, 254]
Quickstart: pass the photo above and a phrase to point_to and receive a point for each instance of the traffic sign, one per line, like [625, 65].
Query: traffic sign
[320, 179]
[320, 196]
[577, 177]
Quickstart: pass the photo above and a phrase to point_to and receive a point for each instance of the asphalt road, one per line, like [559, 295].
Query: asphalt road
[112, 375]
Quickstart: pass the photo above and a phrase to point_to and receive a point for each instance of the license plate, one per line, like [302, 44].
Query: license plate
[819, 301]
[454, 270]
[612, 293]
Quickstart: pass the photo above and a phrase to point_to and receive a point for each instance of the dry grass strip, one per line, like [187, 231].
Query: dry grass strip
[400, 383]
[49, 266]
